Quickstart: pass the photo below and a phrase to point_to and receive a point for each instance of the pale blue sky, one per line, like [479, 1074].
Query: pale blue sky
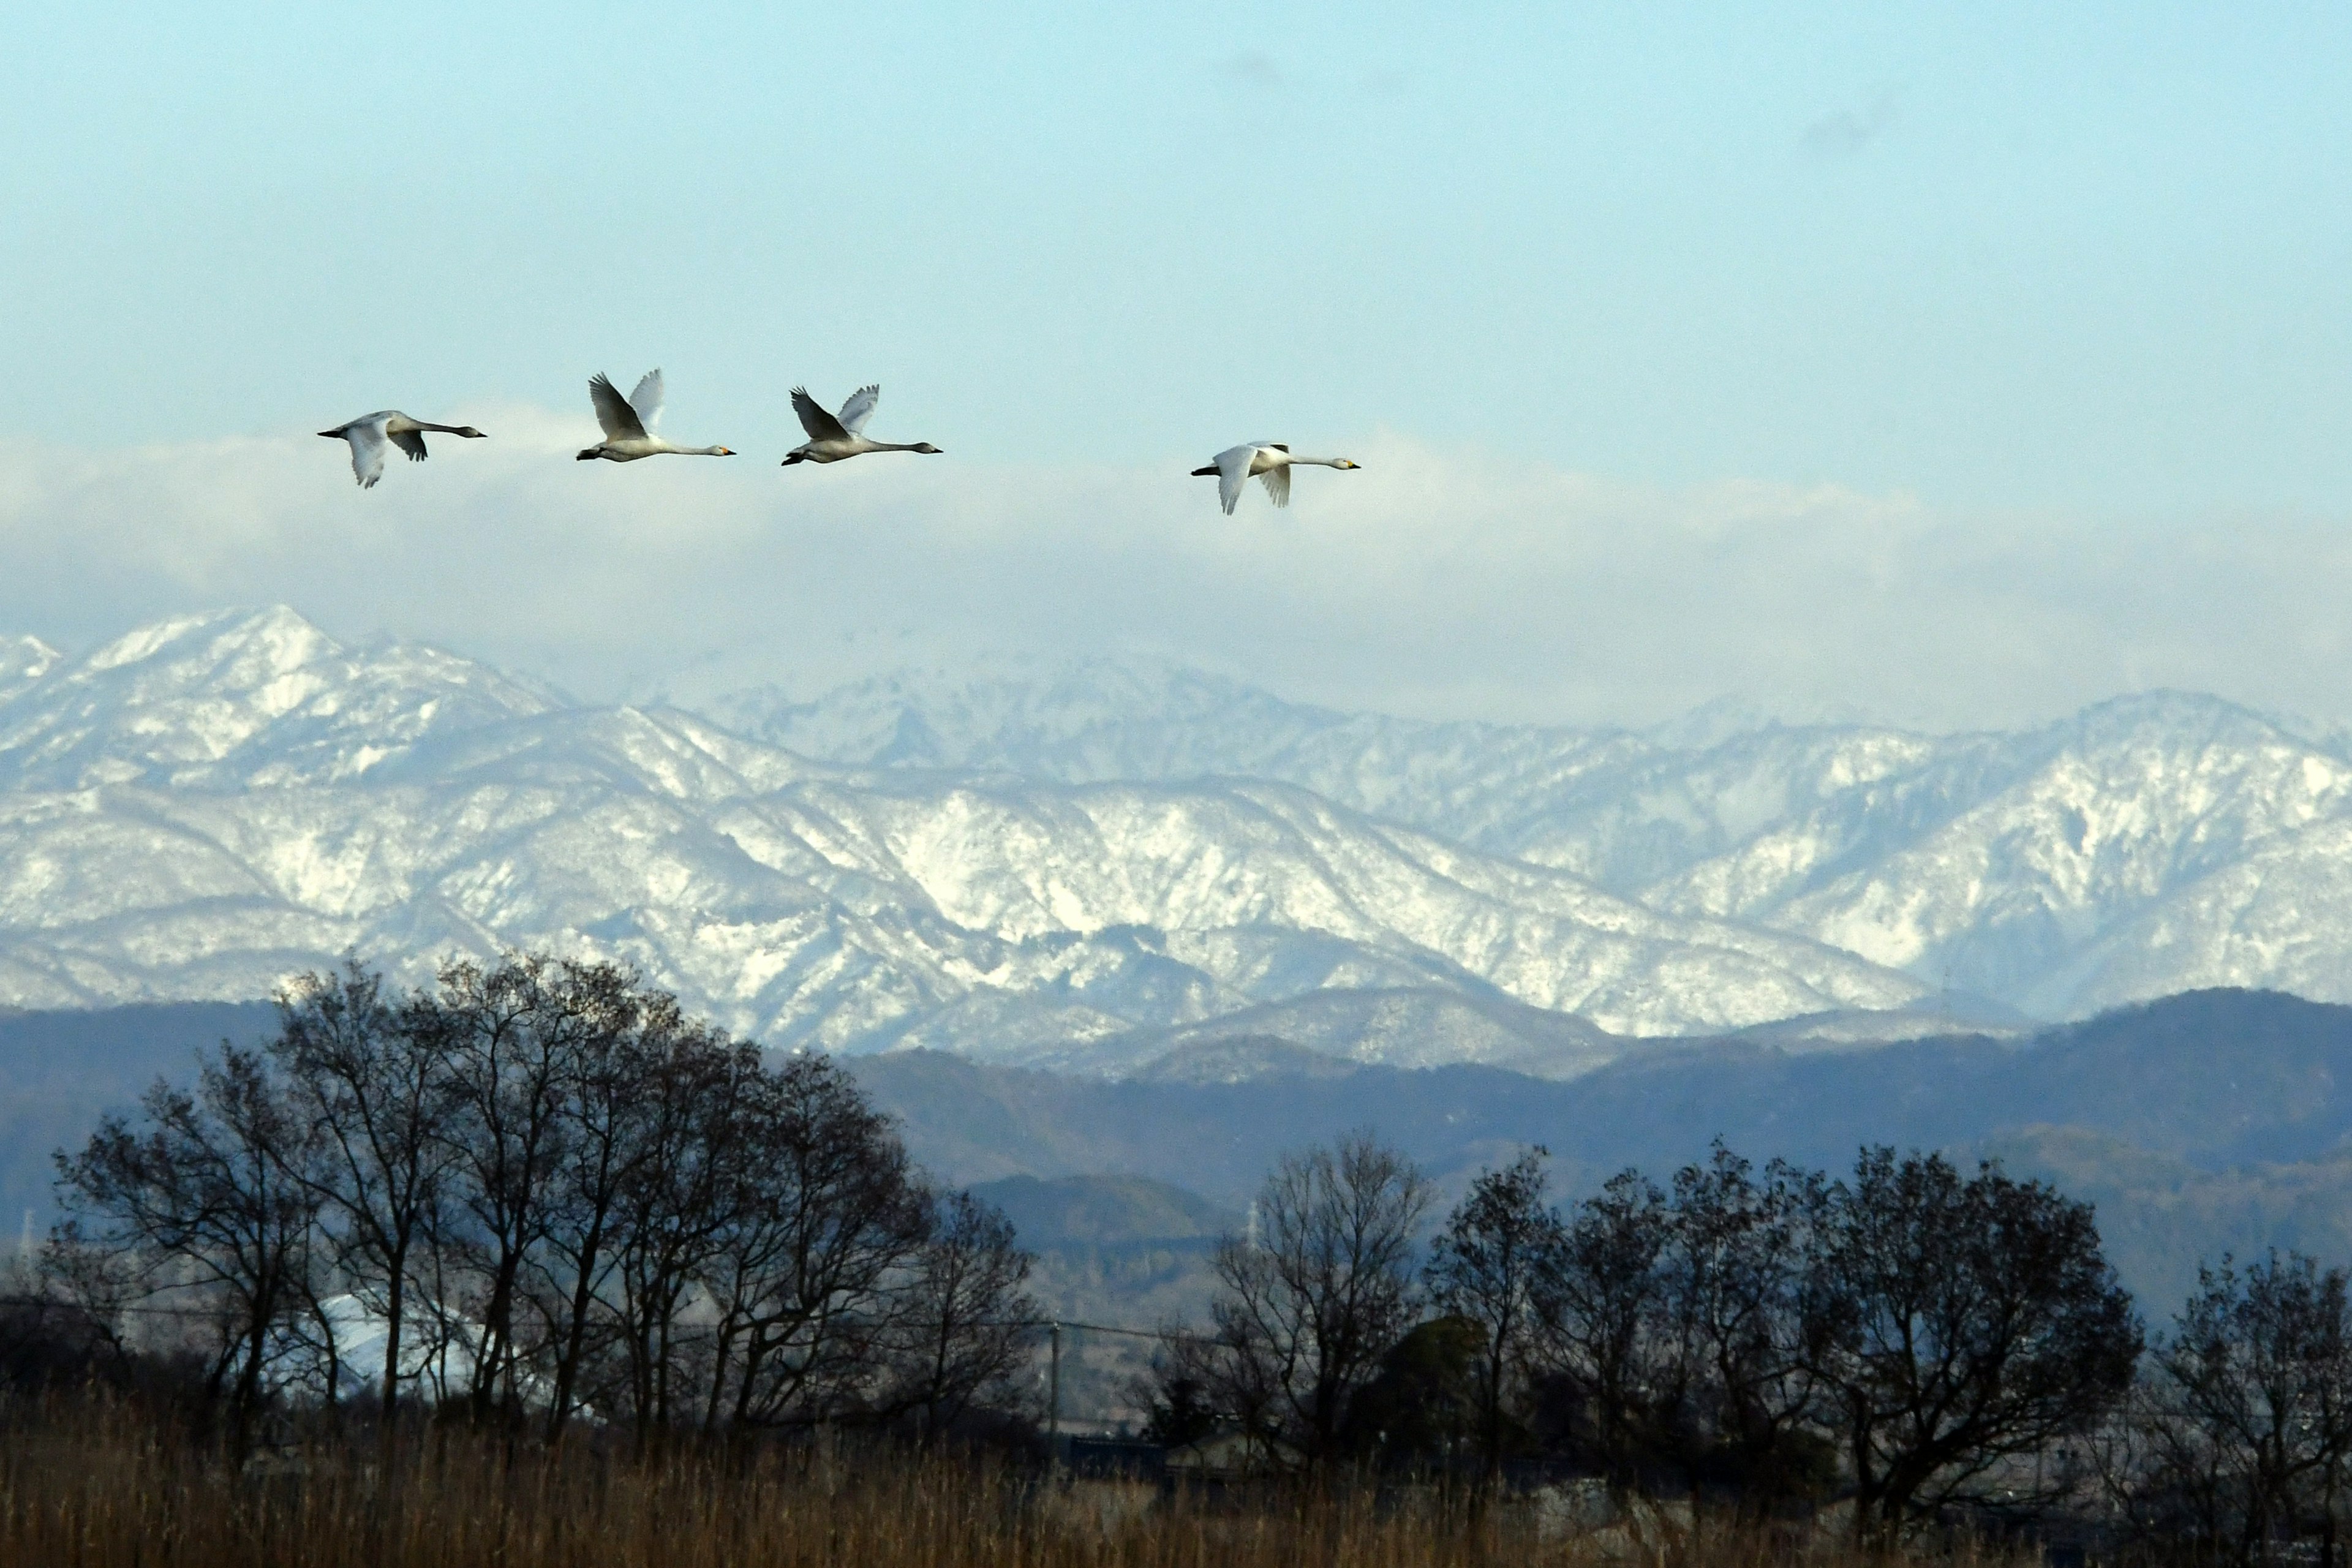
[2012, 263]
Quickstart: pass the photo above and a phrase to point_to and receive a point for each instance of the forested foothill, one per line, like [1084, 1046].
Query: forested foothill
[533, 1218]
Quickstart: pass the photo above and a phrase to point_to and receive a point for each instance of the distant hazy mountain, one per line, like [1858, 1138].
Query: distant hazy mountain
[59, 1073]
[1067, 1213]
[2199, 1124]
[2217, 1080]
[207, 805]
[1406, 1027]
[2149, 845]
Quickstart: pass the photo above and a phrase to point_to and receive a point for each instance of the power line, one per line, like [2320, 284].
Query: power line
[1165, 1336]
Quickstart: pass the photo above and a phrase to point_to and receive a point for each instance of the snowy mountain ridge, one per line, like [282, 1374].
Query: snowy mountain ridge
[2150, 843]
[208, 805]
[1080, 866]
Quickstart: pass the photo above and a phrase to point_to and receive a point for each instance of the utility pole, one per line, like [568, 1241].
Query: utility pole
[1053, 1399]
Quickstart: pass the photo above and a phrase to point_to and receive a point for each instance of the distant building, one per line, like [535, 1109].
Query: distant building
[1231, 1456]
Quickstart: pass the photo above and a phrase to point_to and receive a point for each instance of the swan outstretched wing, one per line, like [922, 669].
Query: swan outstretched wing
[647, 398]
[409, 441]
[820, 426]
[860, 408]
[1232, 472]
[367, 451]
[1276, 481]
[613, 410]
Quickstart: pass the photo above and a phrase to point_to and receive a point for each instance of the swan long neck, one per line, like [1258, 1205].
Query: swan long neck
[1316, 462]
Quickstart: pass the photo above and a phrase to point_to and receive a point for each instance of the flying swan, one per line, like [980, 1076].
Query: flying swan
[1270, 460]
[368, 434]
[627, 420]
[830, 439]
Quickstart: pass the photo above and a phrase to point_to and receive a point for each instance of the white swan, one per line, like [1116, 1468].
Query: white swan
[1271, 461]
[368, 434]
[627, 422]
[830, 439]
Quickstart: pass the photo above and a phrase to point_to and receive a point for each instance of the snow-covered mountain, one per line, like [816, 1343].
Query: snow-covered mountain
[1091, 866]
[219, 703]
[24, 660]
[207, 805]
[2149, 844]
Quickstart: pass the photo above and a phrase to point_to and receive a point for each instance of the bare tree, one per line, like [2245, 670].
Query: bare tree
[832, 1213]
[1736, 1268]
[369, 1083]
[1499, 1243]
[2248, 1415]
[686, 1193]
[1304, 1317]
[511, 1036]
[608, 1135]
[966, 1318]
[199, 1195]
[550, 1175]
[1955, 1322]
[1603, 1331]
[100, 1282]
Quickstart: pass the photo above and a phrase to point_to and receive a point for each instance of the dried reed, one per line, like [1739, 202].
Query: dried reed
[95, 1486]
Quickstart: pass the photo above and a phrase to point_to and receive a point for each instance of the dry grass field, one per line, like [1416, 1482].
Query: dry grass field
[83, 1488]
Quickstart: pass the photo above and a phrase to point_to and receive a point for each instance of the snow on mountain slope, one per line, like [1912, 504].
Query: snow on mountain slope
[2109, 856]
[206, 805]
[1622, 808]
[1105, 720]
[2103, 823]
[1091, 721]
[2279, 911]
[24, 660]
[1036, 867]
[247, 697]
[1211, 859]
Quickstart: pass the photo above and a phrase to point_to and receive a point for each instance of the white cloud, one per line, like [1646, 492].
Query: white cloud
[1434, 582]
